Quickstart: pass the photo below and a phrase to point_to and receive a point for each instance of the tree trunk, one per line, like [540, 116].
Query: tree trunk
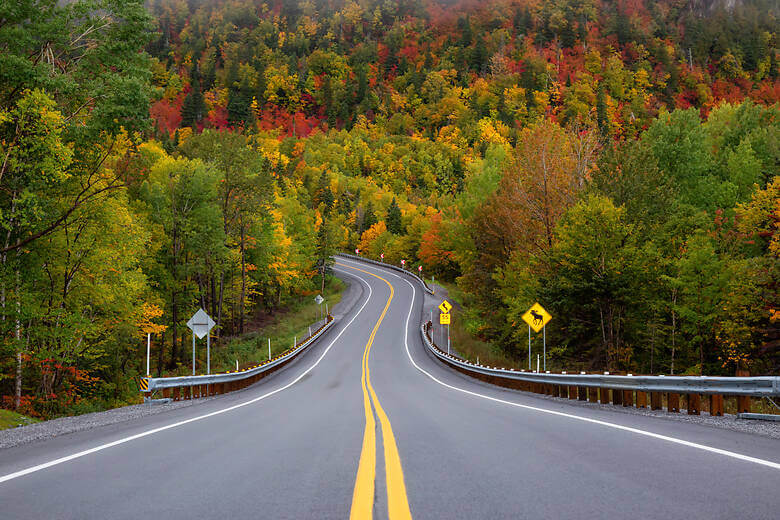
[221, 300]
[174, 303]
[213, 291]
[604, 337]
[18, 336]
[243, 281]
[674, 329]
[161, 354]
[652, 348]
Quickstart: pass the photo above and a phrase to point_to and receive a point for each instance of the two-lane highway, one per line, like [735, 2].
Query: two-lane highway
[368, 424]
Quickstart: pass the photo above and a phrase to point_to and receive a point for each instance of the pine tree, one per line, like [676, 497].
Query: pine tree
[324, 253]
[369, 217]
[393, 219]
[601, 111]
[479, 56]
[464, 26]
[324, 194]
[362, 86]
[193, 108]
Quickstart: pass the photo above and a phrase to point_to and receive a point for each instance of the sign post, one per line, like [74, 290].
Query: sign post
[382, 256]
[403, 264]
[537, 318]
[201, 324]
[445, 318]
[148, 348]
[318, 300]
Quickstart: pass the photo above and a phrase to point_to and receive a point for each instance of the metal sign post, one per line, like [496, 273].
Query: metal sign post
[201, 324]
[537, 318]
[148, 348]
[193, 353]
[318, 300]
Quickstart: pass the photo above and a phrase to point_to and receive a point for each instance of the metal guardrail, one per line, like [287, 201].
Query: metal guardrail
[625, 390]
[389, 266]
[766, 386]
[226, 381]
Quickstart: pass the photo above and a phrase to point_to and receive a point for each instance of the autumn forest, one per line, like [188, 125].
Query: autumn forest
[618, 160]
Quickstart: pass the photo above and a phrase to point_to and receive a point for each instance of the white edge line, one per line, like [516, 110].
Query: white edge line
[703, 447]
[80, 454]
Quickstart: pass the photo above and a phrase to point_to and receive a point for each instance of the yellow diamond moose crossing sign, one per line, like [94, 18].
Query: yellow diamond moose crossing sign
[537, 317]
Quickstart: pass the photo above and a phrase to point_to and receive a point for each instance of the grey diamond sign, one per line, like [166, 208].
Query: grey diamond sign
[319, 299]
[201, 323]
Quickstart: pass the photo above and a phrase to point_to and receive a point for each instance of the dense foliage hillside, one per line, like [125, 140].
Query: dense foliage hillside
[421, 67]
[617, 161]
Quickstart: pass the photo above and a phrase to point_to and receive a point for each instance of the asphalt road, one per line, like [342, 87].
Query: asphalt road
[367, 423]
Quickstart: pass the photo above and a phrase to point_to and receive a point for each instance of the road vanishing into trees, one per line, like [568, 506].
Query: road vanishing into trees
[366, 424]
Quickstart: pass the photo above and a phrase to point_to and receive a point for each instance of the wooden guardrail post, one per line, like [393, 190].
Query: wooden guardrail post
[641, 399]
[582, 393]
[743, 401]
[716, 405]
[694, 404]
[617, 396]
[593, 394]
[628, 398]
[673, 404]
[656, 400]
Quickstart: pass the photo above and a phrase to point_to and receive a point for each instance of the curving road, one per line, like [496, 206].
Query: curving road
[367, 424]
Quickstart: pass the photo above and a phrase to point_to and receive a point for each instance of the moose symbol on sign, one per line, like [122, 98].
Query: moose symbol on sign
[536, 317]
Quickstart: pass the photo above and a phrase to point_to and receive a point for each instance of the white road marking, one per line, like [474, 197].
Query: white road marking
[703, 447]
[84, 453]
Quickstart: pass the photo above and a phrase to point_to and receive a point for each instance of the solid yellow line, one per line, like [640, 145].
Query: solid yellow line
[363, 495]
[397, 501]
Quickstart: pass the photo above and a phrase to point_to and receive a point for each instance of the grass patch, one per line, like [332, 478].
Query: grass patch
[9, 419]
[471, 348]
[283, 327]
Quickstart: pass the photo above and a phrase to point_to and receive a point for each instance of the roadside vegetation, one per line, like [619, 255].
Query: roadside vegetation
[617, 162]
[282, 327]
[11, 419]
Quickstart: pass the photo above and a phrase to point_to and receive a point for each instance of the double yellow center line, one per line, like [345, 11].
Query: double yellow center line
[363, 495]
